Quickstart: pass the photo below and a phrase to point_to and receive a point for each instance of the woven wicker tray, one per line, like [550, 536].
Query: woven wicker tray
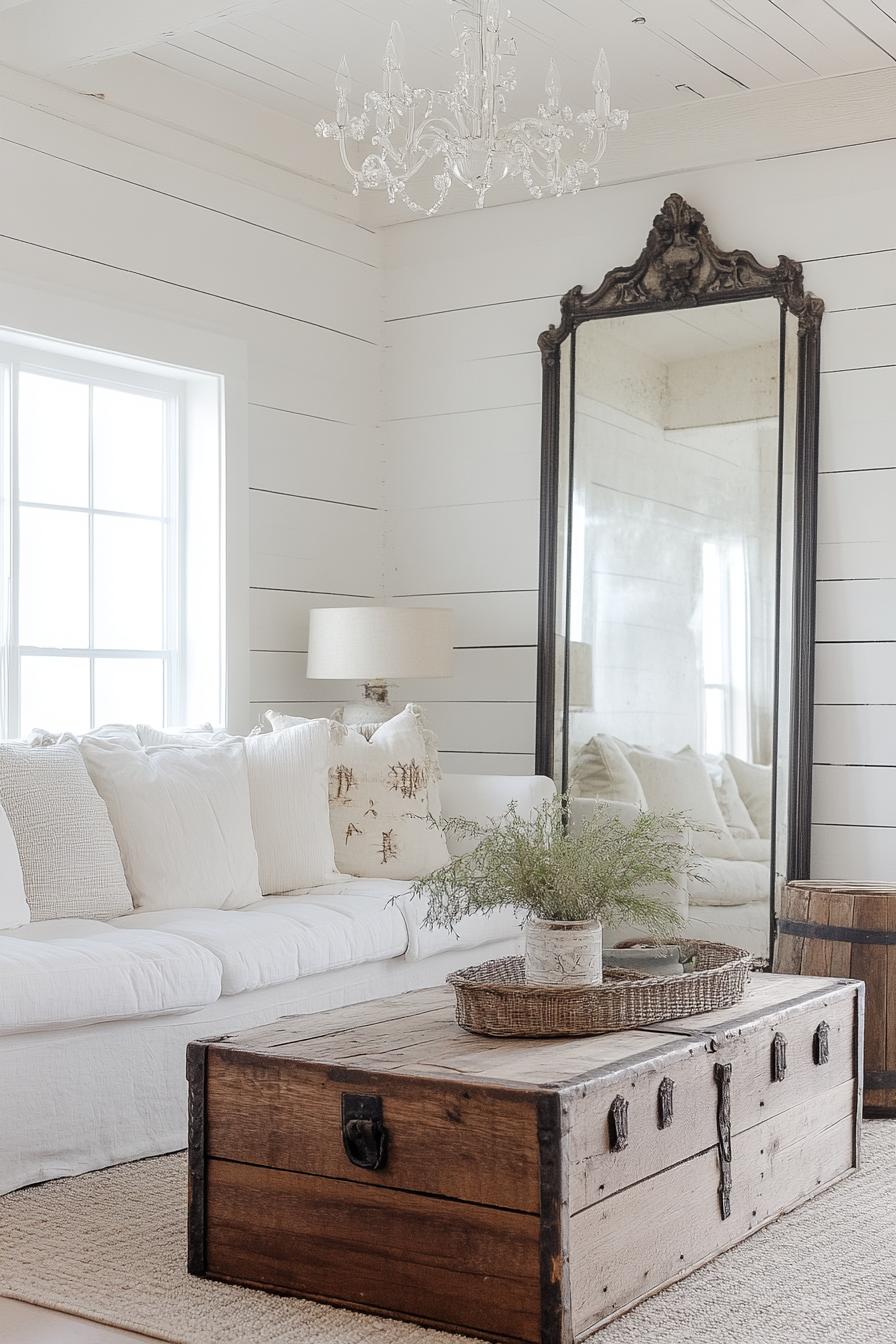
[493, 999]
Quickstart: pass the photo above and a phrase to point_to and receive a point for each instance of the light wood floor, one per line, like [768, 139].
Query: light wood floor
[21, 1323]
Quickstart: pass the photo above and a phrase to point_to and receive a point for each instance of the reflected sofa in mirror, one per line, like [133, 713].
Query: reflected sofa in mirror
[677, 564]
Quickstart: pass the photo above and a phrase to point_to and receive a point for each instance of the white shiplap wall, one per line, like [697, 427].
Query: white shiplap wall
[92, 215]
[467, 296]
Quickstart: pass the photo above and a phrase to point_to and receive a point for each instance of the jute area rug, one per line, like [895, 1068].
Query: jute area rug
[110, 1246]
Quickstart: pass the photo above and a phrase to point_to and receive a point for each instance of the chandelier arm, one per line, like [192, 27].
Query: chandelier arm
[547, 150]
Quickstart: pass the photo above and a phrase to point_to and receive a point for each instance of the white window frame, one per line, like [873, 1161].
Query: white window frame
[16, 360]
[212, 371]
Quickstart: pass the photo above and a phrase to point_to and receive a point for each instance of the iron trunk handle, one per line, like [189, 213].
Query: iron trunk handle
[364, 1136]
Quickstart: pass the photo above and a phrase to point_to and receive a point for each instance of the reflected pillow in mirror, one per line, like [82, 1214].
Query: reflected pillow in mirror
[731, 805]
[681, 783]
[756, 851]
[602, 770]
[754, 784]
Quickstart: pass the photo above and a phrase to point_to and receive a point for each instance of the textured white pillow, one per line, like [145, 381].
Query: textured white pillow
[173, 737]
[731, 805]
[602, 770]
[754, 784]
[278, 722]
[680, 783]
[182, 820]
[70, 861]
[384, 800]
[14, 910]
[290, 811]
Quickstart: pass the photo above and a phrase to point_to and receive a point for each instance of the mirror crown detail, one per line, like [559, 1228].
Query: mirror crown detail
[681, 267]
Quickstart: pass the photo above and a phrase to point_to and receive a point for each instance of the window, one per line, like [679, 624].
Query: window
[95, 585]
[726, 669]
[97, 565]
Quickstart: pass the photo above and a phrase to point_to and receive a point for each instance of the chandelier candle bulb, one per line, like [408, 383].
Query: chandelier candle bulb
[461, 131]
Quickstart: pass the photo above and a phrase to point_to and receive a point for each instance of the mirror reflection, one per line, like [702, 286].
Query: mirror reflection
[668, 562]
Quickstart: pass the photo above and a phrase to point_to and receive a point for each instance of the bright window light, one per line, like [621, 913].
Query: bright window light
[93, 496]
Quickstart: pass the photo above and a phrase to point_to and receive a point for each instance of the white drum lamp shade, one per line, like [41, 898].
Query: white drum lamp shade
[377, 644]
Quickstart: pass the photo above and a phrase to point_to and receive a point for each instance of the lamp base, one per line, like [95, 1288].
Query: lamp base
[375, 707]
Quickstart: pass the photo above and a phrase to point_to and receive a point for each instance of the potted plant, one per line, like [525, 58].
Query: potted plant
[565, 882]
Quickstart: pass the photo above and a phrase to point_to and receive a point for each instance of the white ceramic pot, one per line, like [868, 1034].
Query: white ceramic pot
[560, 953]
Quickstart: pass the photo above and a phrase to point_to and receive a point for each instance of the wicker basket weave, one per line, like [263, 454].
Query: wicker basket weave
[493, 999]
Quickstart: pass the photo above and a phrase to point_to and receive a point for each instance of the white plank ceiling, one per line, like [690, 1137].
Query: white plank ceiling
[279, 59]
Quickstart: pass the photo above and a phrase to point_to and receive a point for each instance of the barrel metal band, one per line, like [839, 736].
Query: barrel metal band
[837, 933]
[880, 1081]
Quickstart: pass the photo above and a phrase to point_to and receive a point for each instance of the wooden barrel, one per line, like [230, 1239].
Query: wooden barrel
[849, 929]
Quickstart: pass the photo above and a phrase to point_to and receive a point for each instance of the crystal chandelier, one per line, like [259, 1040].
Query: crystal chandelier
[461, 131]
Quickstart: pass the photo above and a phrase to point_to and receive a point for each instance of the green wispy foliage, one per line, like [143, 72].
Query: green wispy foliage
[545, 869]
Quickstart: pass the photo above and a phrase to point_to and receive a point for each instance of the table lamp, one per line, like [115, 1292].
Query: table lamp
[376, 645]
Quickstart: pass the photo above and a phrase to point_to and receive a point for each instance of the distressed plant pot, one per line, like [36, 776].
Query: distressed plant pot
[564, 953]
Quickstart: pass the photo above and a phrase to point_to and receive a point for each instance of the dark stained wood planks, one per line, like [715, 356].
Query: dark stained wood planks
[437, 1260]
[847, 929]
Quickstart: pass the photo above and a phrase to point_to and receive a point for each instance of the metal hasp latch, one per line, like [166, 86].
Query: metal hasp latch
[364, 1136]
[664, 1104]
[779, 1057]
[618, 1122]
[821, 1043]
[723, 1123]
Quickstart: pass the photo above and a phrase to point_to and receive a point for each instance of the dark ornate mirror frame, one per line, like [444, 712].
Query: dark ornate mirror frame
[681, 267]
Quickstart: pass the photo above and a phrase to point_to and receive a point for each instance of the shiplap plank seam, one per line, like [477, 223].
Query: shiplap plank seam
[315, 499]
[304, 415]
[312, 592]
[188, 201]
[187, 289]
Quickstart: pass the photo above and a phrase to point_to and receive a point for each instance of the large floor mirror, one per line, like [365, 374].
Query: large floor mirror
[679, 466]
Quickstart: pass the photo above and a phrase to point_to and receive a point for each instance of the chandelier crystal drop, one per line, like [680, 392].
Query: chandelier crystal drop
[461, 132]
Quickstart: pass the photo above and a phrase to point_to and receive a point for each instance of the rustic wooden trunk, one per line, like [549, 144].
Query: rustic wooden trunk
[378, 1157]
[844, 928]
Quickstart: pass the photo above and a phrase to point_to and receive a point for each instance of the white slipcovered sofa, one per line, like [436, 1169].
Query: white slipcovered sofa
[95, 1015]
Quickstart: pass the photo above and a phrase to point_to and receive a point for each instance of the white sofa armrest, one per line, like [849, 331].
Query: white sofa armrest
[484, 798]
[674, 894]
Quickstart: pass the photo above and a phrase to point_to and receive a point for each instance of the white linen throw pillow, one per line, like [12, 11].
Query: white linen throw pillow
[288, 776]
[731, 805]
[384, 800]
[70, 861]
[754, 784]
[182, 819]
[602, 770]
[681, 783]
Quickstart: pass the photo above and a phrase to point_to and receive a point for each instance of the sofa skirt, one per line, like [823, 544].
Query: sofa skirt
[79, 1099]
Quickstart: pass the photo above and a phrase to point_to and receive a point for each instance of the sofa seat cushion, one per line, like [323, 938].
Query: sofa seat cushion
[71, 972]
[282, 938]
[344, 923]
[730, 882]
[472, 932]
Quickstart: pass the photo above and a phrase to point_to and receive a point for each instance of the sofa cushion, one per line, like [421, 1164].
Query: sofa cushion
[71, 972]
[754, 784]
[602, 770]
[473, 931]
[384, 800]
[182, 820]
[70, 859]
[346, 922]
[290, 811]
[13, 906]
[283, 938]
[681, 783]
[730, 882]
[731, 805]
